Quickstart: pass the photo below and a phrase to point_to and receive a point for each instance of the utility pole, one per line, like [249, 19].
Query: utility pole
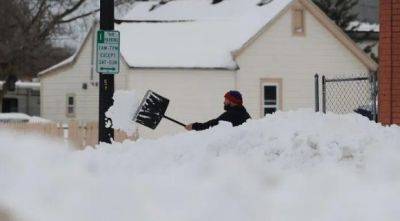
[106, 84]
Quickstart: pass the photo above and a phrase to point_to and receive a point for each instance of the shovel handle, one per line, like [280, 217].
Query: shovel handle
[175, 121]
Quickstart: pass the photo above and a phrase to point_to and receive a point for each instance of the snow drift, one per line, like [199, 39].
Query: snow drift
[288, 166]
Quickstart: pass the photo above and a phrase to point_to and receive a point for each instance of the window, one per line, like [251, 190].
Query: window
[10, 105]
[298, 28]
[71, 105]
[270, 99]
[271, 91]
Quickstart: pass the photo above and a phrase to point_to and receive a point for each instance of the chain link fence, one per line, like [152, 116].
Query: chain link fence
[348, 93]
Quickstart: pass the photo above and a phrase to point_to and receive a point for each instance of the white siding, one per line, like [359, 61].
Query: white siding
[294, 59]
[195, 95]
[69, 79]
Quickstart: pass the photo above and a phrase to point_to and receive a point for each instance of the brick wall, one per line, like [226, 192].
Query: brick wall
[389, 52]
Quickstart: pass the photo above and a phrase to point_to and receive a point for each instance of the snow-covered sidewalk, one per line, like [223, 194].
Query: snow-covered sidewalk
[288, 166]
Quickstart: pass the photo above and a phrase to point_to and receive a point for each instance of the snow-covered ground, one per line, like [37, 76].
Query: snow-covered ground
[21, 117]
[288, 166]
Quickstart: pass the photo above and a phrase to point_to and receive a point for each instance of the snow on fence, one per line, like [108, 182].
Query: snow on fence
[74, 133]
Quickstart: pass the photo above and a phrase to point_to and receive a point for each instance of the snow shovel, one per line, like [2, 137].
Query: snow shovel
[152, 109]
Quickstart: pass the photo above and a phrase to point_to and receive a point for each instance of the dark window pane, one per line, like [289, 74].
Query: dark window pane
[269, 110]
[10, 105]
[70, 110]
[35, 93]
[270, 92]
[70, 100]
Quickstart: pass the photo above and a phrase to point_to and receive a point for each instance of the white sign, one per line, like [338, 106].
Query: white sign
[107, 61]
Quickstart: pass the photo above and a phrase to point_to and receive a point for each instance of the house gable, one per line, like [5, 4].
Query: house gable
[326, 22]
[278, 54]
[75, 77]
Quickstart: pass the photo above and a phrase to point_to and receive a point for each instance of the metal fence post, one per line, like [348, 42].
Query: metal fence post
[374, 93]
[323, 94]
[316, 81]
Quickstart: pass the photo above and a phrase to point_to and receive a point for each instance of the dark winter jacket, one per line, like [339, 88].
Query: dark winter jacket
[237, 115]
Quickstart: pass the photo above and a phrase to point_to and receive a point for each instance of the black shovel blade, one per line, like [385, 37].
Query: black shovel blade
[151, 110]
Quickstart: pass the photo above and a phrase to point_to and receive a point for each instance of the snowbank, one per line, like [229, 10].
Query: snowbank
[288, 166]
[24, 85]
[21, 117]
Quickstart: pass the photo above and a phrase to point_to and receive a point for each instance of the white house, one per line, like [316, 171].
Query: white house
[192, 52]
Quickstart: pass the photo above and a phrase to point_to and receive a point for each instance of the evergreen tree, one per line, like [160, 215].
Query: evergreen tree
[340, 11]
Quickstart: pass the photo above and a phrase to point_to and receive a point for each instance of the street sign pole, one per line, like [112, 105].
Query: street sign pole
[106, 83]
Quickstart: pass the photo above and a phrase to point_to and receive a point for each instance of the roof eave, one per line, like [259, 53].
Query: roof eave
[266, 26]
[74, 56]
[186, 68]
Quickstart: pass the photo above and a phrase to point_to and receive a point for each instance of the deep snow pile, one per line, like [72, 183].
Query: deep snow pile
[288, 166]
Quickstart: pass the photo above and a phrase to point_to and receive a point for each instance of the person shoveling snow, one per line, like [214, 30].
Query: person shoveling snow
[153, 107]
[235, 113]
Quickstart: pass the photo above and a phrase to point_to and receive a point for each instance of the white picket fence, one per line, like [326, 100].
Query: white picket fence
[76, 134]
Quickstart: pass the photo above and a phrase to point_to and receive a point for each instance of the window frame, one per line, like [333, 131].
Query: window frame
[279, 97]
[298, 19]
[13, 109]
[67, 113]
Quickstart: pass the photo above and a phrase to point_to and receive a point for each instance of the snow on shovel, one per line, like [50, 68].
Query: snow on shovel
[152, 109]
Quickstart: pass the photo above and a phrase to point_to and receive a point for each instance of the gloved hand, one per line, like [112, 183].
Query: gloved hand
[189, 127]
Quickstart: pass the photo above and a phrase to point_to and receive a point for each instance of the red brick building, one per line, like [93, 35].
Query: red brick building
[389, 53]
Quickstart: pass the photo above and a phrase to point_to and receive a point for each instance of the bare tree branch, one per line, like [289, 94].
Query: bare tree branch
[117, 3]
[69, 10]
[40, 12]
[79, 16]
[26, 44]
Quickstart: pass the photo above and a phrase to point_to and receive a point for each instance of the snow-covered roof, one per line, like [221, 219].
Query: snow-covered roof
[199, 34]
[189, 33]
[62, 63]
[24, 85]
[192, 33]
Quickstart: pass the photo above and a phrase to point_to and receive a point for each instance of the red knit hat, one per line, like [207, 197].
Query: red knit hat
[234, 97]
